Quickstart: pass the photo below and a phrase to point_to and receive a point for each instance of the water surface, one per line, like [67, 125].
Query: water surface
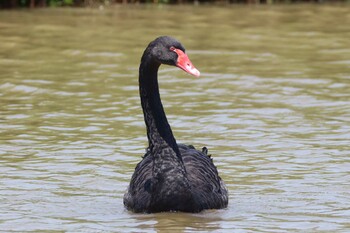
[272, 106]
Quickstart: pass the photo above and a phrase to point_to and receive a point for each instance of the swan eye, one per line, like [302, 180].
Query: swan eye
[172, 48]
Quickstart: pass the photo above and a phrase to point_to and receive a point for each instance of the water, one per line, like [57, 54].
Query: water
[272, 106]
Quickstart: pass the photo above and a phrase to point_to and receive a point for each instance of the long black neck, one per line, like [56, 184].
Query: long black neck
[169, 185]
[158, 129]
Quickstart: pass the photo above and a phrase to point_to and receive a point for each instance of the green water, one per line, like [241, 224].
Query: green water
[272, 105]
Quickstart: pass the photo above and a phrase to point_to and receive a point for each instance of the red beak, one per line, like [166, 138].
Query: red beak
[184, 63]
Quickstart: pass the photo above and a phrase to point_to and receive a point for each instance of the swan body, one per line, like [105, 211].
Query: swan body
[171, 176]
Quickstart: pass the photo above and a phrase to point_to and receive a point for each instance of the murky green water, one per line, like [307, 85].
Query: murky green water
[272, 106]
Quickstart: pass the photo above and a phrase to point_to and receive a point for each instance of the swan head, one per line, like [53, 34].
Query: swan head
[167, 50]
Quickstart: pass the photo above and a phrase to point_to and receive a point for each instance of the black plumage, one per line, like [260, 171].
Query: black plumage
[171, 176]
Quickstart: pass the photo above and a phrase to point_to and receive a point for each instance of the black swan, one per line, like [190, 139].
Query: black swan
[171, 176]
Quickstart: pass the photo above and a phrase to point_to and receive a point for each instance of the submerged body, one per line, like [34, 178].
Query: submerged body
[191, 187]
[171, 176]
